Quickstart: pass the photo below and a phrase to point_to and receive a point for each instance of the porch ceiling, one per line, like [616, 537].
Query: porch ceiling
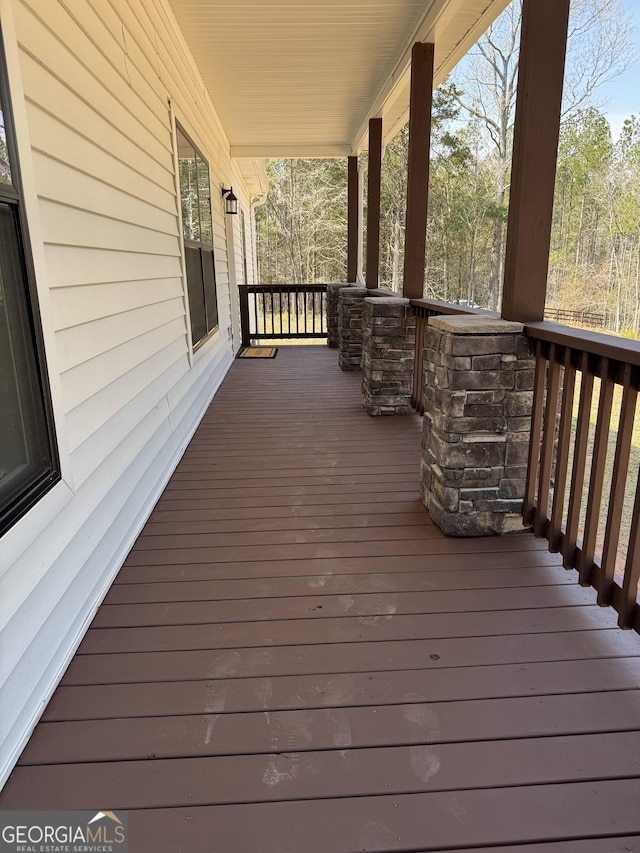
[303, 77]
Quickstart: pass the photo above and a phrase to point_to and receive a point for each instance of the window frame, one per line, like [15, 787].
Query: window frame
[13, 196]
[206, 251]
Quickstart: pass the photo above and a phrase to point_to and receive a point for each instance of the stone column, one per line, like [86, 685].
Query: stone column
[478, 396]
[333, 331]
[388, 351]
[350, 305]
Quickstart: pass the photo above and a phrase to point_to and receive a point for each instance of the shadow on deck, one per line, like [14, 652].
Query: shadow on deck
[294, 660]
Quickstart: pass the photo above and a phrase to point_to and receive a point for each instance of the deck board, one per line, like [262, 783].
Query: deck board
[293, 658]
[315, 728]
[372, 604]
[428, 821]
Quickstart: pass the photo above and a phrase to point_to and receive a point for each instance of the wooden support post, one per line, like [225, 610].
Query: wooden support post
[352, 219]
[535, 148]
[362, 177]
[373, 202]
[243, 295]
[418, 169]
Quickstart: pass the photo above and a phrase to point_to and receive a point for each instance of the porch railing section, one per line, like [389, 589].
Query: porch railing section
[424, 309]
[282, 311]
[582, 491]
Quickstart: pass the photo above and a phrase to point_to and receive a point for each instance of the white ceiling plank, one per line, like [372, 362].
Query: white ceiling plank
[305, 76]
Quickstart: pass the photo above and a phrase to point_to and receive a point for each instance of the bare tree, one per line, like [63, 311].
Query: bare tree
[599, 49]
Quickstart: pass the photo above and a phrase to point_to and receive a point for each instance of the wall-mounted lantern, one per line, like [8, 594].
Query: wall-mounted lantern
[230, 201]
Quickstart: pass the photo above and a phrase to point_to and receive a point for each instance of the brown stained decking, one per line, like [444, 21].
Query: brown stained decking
[294, 660]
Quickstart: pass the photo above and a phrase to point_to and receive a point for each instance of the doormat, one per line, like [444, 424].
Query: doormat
[258, 352]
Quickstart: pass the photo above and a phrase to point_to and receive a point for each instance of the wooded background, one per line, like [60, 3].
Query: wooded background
[595, 248]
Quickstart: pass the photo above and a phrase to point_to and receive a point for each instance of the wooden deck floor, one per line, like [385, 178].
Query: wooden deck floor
[294, 660]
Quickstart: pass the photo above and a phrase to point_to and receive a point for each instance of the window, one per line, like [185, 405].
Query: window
[28, 459]
[197, 231]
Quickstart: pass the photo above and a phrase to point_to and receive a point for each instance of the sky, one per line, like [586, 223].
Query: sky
[620, 98]
[622, 95]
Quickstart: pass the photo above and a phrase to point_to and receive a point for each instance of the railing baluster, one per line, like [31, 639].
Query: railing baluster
[277, 313]
[528, 510]
[418, 366]
[562, 455]
[579, 462]
[255, 315]
[618, 483]
[548, 441]
[271, 311]
[628, 607]
[596, 480]
[279, 294]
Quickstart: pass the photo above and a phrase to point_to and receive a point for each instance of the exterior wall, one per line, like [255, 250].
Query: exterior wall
[95, 86]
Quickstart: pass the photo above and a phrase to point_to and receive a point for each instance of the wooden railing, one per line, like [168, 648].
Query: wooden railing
[581, 377]
[426, 308]
[281, 311]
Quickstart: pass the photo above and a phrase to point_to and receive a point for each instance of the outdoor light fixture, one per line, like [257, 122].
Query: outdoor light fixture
[230, 201]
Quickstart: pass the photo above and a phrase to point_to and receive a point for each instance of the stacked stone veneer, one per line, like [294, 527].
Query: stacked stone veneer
[478, 398]
[350, 308]
[333, 330]
[388, 351]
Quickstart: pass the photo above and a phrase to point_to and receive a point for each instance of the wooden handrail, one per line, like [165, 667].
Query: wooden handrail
[436, 306]
[294, 288]
[594, 343]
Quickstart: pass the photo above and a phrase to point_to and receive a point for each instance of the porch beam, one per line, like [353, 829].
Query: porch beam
[418, 169]
[543, 46]
[352, 219]
[373, 203]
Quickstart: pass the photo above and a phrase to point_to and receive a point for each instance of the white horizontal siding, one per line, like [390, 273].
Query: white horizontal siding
[73, 306]
[100, 78]
[74, 111]
[78, 344]
[124, 415]
[62, 143]
[158, 372]
[70, 226]
[86, 379]
[72, 187]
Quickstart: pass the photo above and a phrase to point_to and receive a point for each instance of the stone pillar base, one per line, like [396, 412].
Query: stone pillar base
[350, 305]
[478, 398]
[333, 325]
[388, 351]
